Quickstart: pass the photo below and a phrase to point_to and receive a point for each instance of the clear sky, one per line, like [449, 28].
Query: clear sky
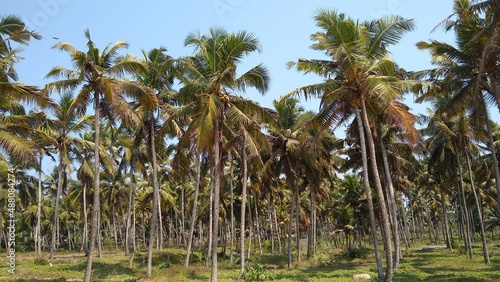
[283, 28]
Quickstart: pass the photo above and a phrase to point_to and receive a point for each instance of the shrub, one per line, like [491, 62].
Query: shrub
[258, 272]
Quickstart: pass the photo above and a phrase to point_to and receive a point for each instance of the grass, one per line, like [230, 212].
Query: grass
[327, 265]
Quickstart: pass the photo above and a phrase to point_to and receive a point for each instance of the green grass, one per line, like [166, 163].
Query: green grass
[327, 265]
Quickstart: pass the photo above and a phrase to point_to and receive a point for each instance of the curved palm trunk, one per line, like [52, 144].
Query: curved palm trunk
[216, 199]
[193, 213]
[94, 225]
[366, 185]
[392, 206]
[156, 193]
[486, 255]
[55, 225]
[244, 178]
[386, 227]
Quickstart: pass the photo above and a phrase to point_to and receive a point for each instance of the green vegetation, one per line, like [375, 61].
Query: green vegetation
[416, 265]
[177, 176]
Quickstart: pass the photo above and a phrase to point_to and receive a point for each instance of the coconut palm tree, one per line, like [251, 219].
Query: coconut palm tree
[98, 74]
[209, 89]
[458, 72]
[68, 123]
[360, 76]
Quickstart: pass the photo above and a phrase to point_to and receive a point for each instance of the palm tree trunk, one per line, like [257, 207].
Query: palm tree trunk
[232, 222]
[160, 225]
[183, 215]
[386, 227]
[156, 192]
[292, 204]
[128, 249]
[366, 185]
[297, 221]
[257, 223]
[270, 219]
[465, 213]
[195, 206]
[392, 205]
[210, 219]
[38, 236]
[244, 178]
[55, 225]
[278, 230]
[486, 255]
[215, 217]
[115, 234]
[96, 201]
[445, 219]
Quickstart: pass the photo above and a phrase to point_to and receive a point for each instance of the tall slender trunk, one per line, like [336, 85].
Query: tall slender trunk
[55, 224]
[270, 219]
[115, 233]
[257, 222]
[278, 231]
[38, 230]
[96, 207]
[85, 237]
[290, 224]
[156, 192]
[195, 206]
[183, 214]
[366, 185]
[465, 213]
[215, 217]
[210, 218]
[232, 222]
[392, 205]
[160, 224]
[130, 232]
[445, 219]
[297, 221]
[244, 178]
[386, 227]
[486, 255]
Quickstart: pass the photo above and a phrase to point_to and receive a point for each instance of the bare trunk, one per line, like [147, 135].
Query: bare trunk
[465, 213]
[257, 223]
[193, 213]
[216, 200]
[392, 206]
[96, 206]
[386, 227]
[270, 219]
[38, 230]
[156, 192]
[244, 178]
[231, 206]
[445, 220]
[366, 185]
[486, 255]
[297, 221]
[131, 196]
[55, 224]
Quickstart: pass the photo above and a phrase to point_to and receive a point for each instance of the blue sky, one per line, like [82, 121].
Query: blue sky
[283, 27]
